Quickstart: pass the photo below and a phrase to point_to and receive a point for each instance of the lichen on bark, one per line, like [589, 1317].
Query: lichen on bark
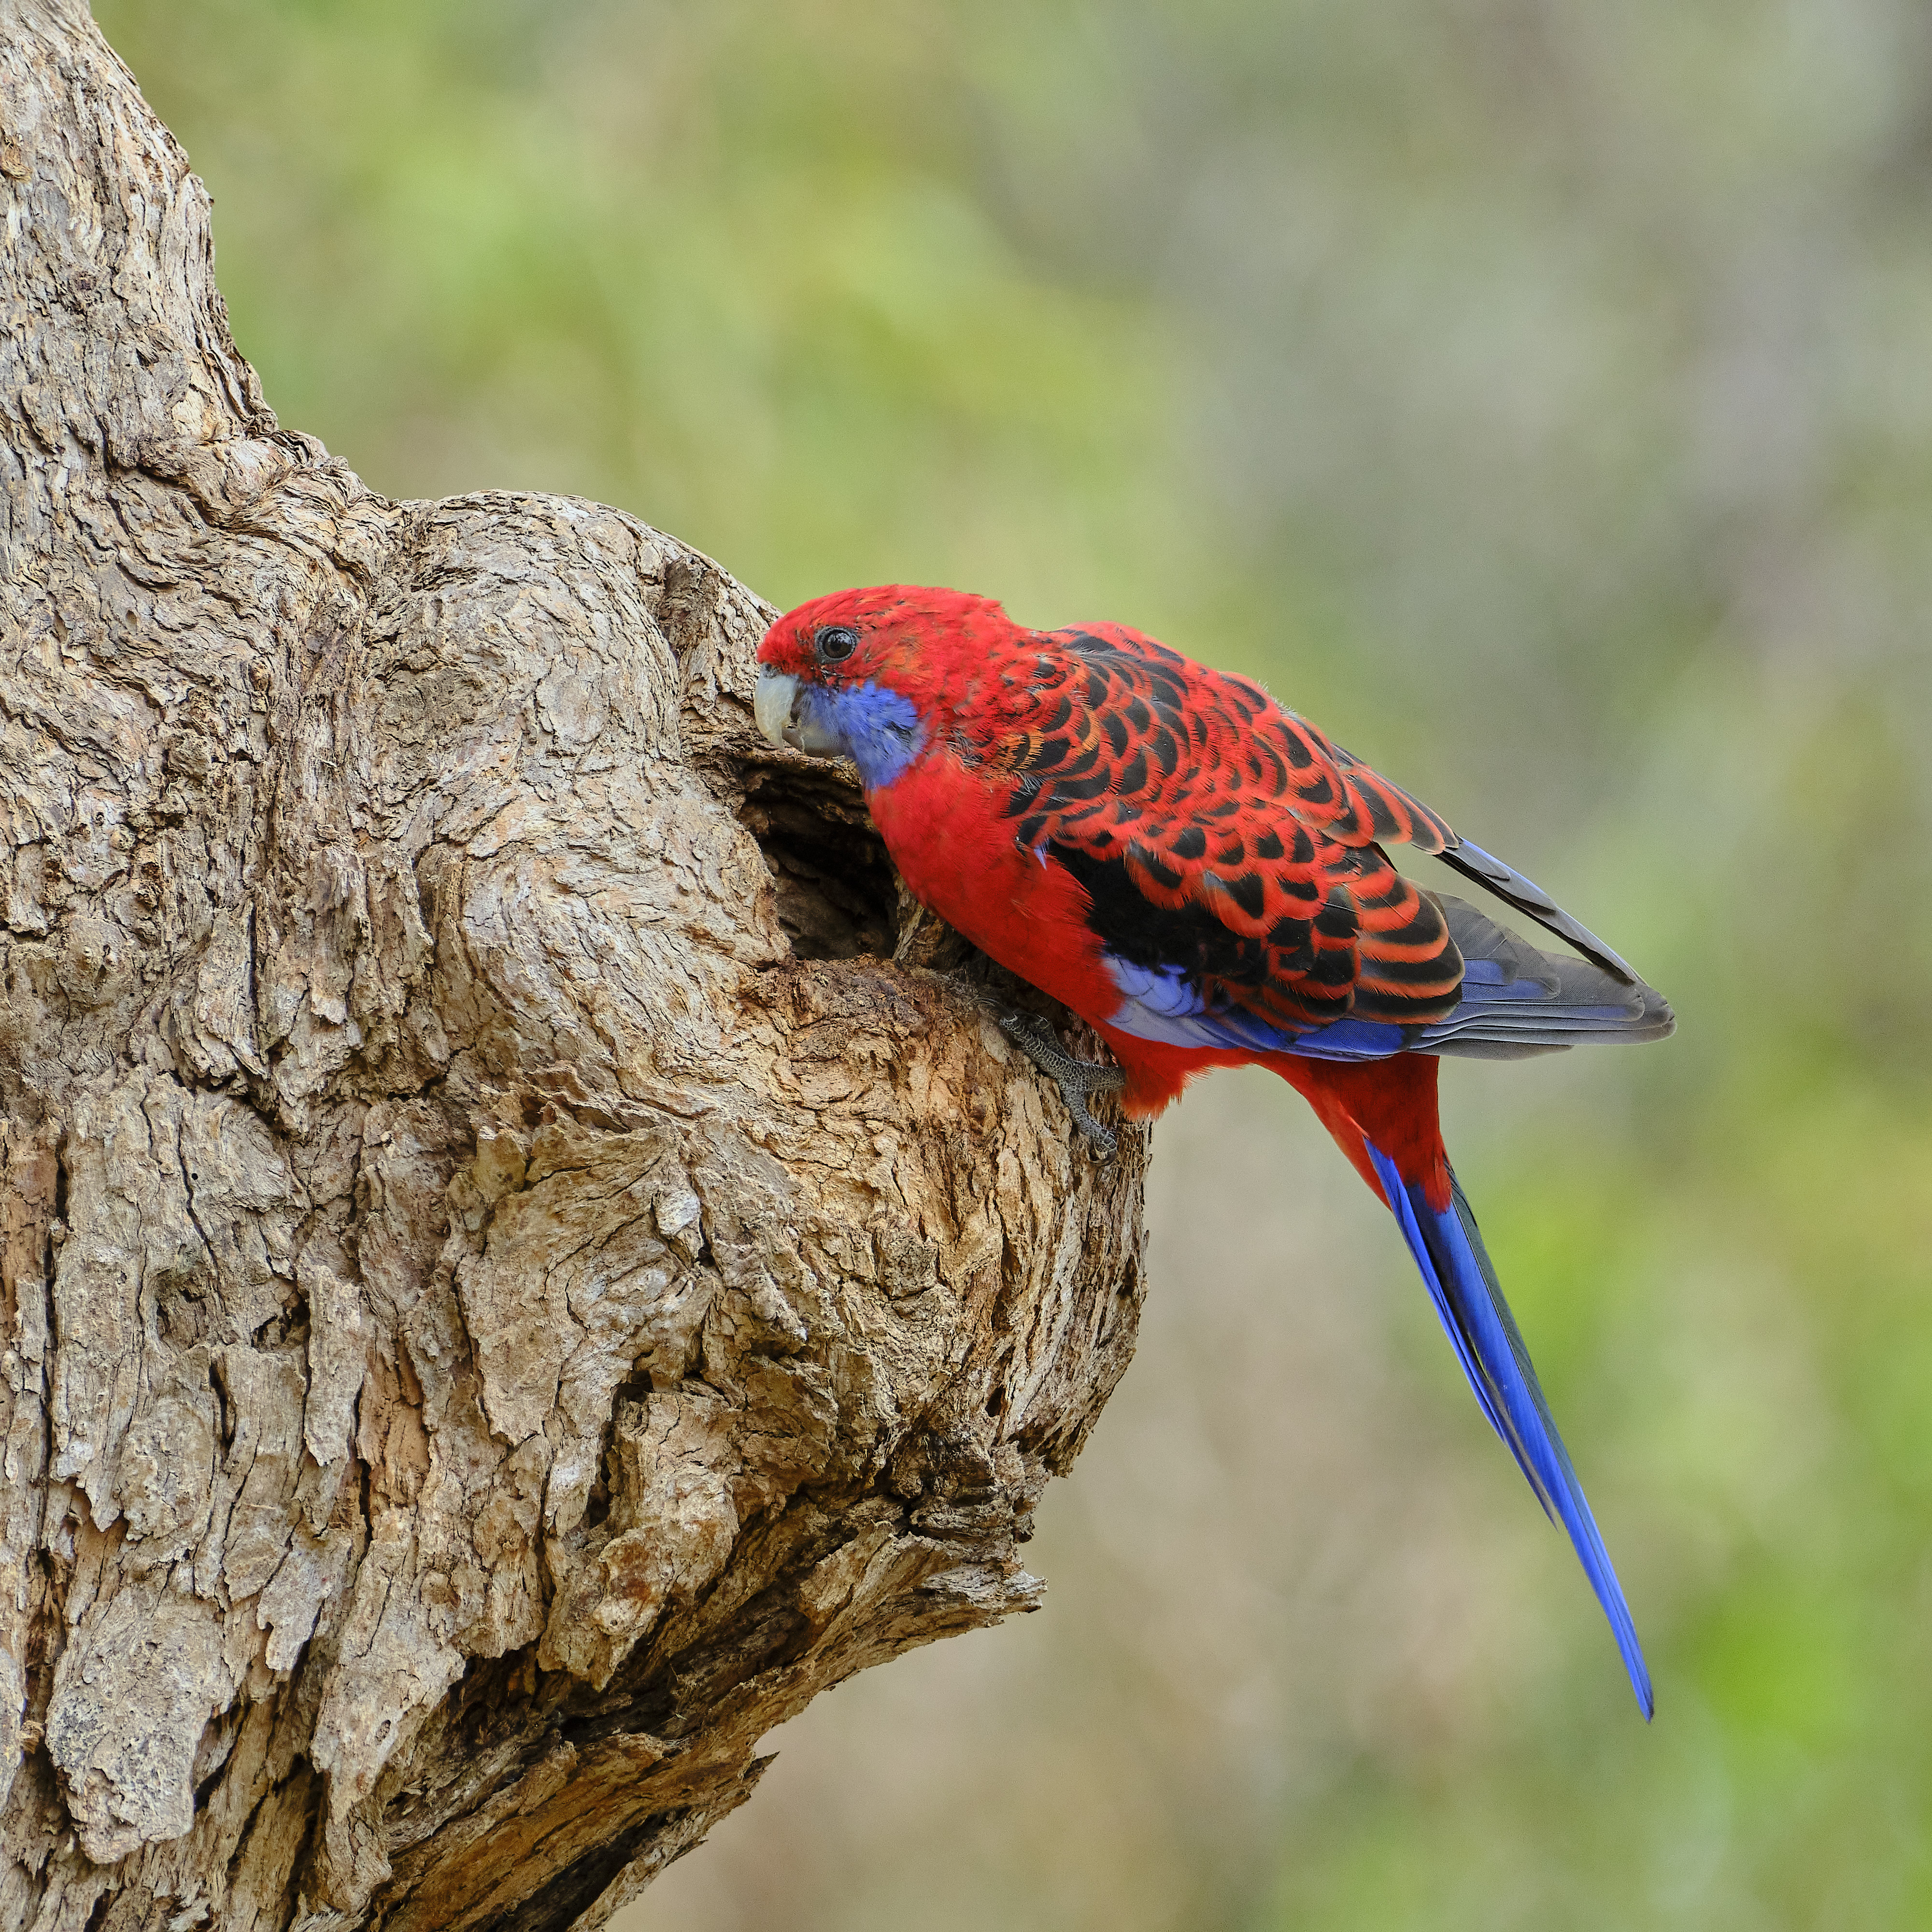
[509, 1287]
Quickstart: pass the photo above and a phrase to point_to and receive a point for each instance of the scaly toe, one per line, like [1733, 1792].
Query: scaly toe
[1075, 1078]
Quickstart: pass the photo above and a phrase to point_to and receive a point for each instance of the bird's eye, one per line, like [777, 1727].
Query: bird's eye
[836, 641]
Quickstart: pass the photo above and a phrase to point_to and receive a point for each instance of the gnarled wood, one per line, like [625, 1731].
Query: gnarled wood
[507, 1290]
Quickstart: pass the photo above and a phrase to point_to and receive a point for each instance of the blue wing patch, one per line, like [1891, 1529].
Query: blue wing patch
[1166, 1004]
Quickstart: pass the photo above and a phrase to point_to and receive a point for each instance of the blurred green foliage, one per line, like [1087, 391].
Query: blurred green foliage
[1541, 397]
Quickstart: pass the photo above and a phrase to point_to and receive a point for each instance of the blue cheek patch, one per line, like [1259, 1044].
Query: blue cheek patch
[880, 729]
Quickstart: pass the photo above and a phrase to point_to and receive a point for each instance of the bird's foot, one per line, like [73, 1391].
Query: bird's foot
[1075, 1078]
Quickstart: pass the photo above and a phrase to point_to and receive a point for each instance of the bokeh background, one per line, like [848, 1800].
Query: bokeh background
[1539, 395]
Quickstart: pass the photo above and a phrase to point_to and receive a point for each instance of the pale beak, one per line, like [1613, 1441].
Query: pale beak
[771, 705]
[776, 705]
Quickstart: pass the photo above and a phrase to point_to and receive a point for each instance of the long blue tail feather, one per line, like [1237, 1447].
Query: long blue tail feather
[1461, 1282]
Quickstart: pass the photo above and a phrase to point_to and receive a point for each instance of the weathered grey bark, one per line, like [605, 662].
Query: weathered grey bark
[506, 1294]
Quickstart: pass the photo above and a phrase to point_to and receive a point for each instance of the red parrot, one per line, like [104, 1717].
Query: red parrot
[1199, 874]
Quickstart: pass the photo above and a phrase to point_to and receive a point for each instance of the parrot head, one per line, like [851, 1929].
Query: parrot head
[875, 675]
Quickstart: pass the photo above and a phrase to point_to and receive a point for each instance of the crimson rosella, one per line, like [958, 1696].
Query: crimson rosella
[1200, 875]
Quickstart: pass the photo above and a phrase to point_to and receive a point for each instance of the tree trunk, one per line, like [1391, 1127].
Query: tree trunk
[509, 1286]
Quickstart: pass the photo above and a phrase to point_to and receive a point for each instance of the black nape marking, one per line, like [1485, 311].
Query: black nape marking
[1025, 790]
[838, 894]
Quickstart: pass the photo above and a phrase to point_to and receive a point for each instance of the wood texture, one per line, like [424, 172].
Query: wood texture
[509, 1287]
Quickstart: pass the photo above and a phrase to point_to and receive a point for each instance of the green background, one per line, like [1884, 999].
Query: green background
[1539, 396]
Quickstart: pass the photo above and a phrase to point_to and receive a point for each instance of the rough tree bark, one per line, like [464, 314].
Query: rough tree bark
[509, 1287]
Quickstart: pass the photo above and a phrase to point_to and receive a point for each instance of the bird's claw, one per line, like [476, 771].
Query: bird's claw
[1075, 1078]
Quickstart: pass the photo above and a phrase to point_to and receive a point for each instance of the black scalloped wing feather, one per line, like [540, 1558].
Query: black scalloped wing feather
[1219, 837]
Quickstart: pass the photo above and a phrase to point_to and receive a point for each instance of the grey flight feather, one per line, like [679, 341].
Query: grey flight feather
[1527, 896]
[1518, 999]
